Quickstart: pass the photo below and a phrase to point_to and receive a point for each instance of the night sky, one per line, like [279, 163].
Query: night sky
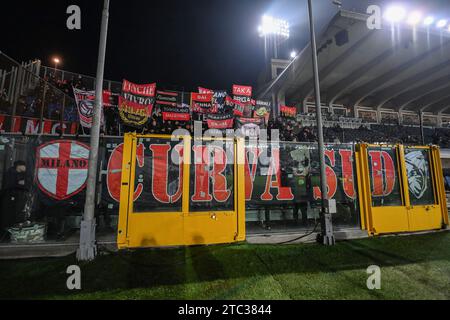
[179, 44]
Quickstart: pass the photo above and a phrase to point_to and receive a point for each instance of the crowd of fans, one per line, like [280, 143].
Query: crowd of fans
[60, 92]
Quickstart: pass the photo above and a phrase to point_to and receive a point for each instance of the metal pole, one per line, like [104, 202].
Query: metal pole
[275, 46]
[41, 116]
[88, 248]
[12, 84]
[16, 96]
[326, 237]
[422, 133]
[62, 115]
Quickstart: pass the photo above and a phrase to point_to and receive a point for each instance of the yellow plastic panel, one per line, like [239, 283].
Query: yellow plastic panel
[210, 228]
[157, 229]
[423, 218]
[389, 220]
[406, 218]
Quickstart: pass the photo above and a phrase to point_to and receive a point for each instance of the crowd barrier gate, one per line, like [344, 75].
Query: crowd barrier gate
[401, 189]
[215, 218]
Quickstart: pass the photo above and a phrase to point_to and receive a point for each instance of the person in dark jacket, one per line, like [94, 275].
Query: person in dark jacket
[14, 195]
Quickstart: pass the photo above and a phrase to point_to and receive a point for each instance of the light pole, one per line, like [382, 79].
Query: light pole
[88, 248]
[326, 237]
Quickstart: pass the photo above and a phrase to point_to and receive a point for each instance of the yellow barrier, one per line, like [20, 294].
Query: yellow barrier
[184, 226]
[418, 202]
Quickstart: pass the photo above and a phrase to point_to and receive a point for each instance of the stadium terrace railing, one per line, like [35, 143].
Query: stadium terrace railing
[30, 104]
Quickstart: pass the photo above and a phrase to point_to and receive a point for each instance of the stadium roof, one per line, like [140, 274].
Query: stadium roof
[393, 68]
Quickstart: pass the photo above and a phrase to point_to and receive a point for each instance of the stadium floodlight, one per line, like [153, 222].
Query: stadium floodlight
[293, 54]
[274, 26]
[395, 14]
[414, 18]
[428, 21]
[441, 23]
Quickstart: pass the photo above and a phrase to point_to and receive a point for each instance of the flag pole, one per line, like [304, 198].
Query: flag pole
[88, 248]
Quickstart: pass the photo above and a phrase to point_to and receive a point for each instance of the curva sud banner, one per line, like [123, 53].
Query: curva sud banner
[275, 175]
[136, 103]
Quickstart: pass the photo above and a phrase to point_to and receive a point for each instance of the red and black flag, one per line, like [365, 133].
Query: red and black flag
[136, 103]
[85, 101]
[220, 121]
[250, 127]
[218, 99]
[242, 93]
[202, 103]
[288, 112]
[239, 109]
[170, 104]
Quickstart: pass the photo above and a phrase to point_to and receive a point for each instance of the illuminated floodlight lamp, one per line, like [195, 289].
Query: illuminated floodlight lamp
[414, 18]
[441, 23]
[293, 54]
[428, 21]
[274, 26]
[395, 14]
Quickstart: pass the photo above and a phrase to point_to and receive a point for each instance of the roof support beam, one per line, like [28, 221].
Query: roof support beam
[334, 92]
[364, 91]
[402, 93]
[442, 105]
[433, 100]
[402, 101]
[325, 72]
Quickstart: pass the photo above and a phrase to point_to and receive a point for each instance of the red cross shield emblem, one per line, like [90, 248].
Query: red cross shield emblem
[62, 168]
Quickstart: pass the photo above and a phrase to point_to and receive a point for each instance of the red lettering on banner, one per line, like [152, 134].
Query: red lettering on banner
[32, 126]
[382, 184]
[47, 127]
[250, 173]
[201, 185]
[179, 149]
[348, 183]
[242, 90]
[114, 172]
[284, 193]
[220, 191]
[2, 123]
[160, 172]
[331, 178]
[17, 122]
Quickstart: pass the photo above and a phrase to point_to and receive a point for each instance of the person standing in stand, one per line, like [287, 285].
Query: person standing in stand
[14, 194]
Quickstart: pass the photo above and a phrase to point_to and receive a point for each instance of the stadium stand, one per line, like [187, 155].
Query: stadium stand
[49, 94]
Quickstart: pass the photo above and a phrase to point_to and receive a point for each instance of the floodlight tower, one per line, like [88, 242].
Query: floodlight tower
[275, 30]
